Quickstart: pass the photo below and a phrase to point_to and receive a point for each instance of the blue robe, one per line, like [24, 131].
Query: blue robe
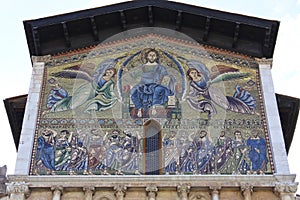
[45, 153]
[56, 94]
[258, 159]
[149, 91]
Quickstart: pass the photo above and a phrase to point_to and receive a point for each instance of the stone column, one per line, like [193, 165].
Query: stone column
[286, 191]
[214, 190]
[272, 114]
[56, 192]
[120, 191]
[88, 193]
[18, 190]
[151, 192]
[247, 190]
[183, 191]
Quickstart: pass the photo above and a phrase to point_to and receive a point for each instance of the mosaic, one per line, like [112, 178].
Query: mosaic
[151, 105]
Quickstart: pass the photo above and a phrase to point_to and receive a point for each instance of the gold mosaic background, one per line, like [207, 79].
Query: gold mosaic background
[151, 105]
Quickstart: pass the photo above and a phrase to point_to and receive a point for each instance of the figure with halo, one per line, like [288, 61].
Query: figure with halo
[97, 93]
[150, 91]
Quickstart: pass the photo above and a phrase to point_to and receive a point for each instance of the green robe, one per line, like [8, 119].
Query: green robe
[97, 98]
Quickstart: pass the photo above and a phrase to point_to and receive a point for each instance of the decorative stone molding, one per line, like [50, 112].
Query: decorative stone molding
[46, 58]
[151, 191]
[247, 190]
[286, 191]
[57, 192]
[214, 190]
[264, 61]
[120, 191]
[89, 192]
[18, 190]
[183, 191]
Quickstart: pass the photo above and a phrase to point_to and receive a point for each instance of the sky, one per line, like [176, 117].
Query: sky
[16, 63]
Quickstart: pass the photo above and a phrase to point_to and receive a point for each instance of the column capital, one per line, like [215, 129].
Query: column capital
[57, 188]
[246, 187]
[18, 188]
[215, 188]
[152, 191]
[183, 188]
[88, 188]
[247, 190]
[88, 192]
[285, 188]
[151, 188]
[120, 190]
[265, 61]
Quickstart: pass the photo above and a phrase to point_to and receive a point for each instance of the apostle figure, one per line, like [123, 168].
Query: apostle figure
[258, 152]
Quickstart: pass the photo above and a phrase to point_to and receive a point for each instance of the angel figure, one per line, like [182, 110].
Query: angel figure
[97, 93]
[201, 84]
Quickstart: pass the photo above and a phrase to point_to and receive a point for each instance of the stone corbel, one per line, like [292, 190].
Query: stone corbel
[57, 191]
[88, 192]
[215, 190]
[286, 191]
[43, 59]
[183, 191]
[265, 62]
[120, 191]
[151, 192]
[18, 190]
[247, 191]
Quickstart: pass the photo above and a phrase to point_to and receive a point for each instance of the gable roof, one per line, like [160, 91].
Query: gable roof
[61, 33]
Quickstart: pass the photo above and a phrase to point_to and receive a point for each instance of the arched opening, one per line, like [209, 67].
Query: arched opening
[152, 148]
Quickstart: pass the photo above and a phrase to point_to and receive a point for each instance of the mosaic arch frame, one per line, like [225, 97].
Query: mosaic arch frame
[205, 103]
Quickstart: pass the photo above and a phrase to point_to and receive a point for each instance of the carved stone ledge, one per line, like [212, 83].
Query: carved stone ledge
[143, 181]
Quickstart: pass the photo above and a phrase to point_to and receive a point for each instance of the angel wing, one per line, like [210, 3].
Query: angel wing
[70, 73]
[225, 73]
[82, 71]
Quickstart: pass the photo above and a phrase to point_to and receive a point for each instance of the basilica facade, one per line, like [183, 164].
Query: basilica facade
[141, 108]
